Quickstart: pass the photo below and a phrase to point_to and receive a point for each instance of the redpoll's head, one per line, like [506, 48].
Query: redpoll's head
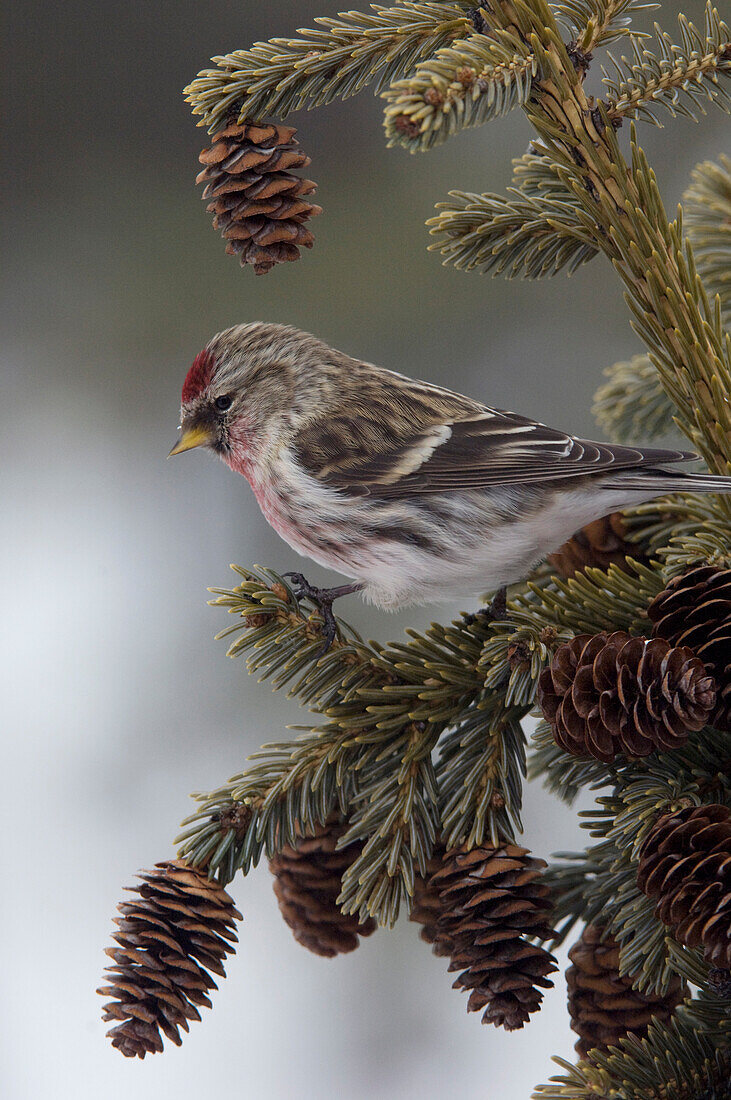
[253, 382]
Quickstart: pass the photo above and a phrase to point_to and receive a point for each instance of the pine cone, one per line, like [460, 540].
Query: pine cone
[601, 544]
[170, 937]
[695, 611]
[490, 901]
[612, 693]
[257, 202]
[603, 1006]
[426, 907]
[307, 882]
[685, 863]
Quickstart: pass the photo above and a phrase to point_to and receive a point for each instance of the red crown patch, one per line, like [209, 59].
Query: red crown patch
[198, 377]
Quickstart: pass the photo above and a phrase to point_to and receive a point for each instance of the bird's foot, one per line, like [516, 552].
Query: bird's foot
[496, 609]
[323, 598]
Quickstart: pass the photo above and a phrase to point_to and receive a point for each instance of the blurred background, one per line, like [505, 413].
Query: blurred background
[118, 702]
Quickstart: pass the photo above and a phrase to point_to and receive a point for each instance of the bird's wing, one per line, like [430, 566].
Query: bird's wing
[383, 453]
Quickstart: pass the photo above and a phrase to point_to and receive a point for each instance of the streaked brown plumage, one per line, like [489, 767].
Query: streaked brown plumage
[415, 492]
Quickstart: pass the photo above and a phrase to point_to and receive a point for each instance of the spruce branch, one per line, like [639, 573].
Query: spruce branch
[515, 235]
[480, 772]
[562, 774]
[675, 1061]
[672, 314]
[671, 311]
[633, 405]
[592, 23]
[680, 78]
[690, 965]
[335, 60]
[594, 600]
[290, 785]
[282, 637]
[613, 898]
[599, 885]
[384, 709]
[682, 530]
[707, 220]
[537, 176]
[301, 780]
[622, 205]
[702, 761]
[462, 85]
[395, 816]
[514, 654]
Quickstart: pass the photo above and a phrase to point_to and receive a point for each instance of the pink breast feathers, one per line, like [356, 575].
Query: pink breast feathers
[273, 504]
[199, 376]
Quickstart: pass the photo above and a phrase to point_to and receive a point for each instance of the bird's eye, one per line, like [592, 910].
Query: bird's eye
[224, 402]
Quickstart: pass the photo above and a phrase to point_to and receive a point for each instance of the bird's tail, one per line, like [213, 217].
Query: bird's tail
[666, 481]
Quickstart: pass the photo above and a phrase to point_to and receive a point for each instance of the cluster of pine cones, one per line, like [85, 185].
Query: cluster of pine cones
[485, 909]
[685, 864]
[480, 908]
[605, 694]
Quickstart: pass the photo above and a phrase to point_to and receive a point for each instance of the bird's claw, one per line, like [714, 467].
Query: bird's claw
[323, 600]
[496, 609]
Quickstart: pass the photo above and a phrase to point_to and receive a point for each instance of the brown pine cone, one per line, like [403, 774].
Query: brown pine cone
[307, 882]
[695, 611]
[601, 544]
[490, 901]
[426, 907]
[685, 863]
[612, 693]
[170, 936]
[603, 1006]
[258, 203]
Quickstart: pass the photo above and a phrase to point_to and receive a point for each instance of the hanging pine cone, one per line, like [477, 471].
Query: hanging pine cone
[603, 1006]
[685, 863]
[490, 901]
[612, 693]
[426, 906]
[307, 881]
[170, 936]
[257, 201]
[601, 544]
[695, 611]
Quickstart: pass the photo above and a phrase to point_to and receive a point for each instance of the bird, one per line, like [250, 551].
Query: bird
[416, 493]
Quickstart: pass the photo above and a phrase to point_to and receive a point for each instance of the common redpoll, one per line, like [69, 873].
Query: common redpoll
[417, 493]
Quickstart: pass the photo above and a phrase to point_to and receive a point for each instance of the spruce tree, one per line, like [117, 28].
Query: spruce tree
[405, 794]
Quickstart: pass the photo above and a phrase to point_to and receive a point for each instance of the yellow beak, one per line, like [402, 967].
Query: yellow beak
[195, 436]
